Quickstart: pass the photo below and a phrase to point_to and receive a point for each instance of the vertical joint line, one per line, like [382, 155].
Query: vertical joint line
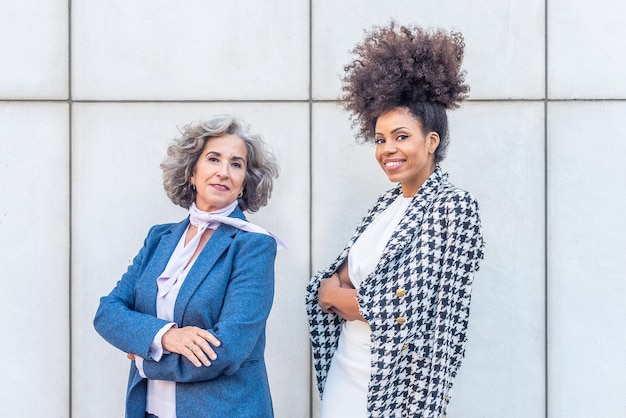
[310, 100]
[69, 196]
[546, 197]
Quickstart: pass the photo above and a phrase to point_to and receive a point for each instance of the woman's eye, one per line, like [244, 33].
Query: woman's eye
[237, 165]
[379, 141]
[402, 137]
[213, 159]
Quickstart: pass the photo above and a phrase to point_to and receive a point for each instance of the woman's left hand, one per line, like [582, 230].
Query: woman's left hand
[192, 342]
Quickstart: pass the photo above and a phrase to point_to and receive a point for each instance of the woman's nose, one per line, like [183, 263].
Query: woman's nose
[223, 171]
[389, 147]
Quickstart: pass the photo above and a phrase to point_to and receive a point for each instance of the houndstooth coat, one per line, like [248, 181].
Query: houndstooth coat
[416, 302]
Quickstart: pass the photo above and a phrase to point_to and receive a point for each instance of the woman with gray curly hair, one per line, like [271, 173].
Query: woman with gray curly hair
[190, 311]
[388, 317]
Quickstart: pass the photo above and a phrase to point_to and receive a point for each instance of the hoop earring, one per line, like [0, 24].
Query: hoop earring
[240, 195]
[193, 187]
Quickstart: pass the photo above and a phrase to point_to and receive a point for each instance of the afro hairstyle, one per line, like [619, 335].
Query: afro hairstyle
[404, 66]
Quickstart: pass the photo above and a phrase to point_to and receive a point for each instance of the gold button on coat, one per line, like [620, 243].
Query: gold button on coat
[400, 320]
[405, 346]
[400, 293]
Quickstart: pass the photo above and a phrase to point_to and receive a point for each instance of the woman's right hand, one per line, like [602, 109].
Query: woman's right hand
[325, 288]
[192, 342]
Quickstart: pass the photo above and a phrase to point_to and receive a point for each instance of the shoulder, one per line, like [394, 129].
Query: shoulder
[452, 196]
[254, 243]
[455, 205]
[254, 238]
[251, 250]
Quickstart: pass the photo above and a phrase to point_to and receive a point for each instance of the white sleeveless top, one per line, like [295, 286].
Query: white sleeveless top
[345, 392]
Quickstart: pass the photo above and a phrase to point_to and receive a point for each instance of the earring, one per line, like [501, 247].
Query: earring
[240, 194]
[193, 187]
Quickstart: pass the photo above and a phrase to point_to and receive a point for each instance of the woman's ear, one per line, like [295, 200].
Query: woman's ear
[433, 141]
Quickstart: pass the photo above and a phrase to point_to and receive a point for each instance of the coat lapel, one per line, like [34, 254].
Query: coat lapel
[146, 298]
[214, 248]
[412, 220]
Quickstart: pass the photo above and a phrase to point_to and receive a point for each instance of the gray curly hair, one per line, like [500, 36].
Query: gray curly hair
[184, 151]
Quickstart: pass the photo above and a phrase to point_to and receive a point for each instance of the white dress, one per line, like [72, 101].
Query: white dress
[345, 392]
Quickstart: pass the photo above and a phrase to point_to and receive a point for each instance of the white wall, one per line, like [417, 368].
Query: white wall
[91, 92]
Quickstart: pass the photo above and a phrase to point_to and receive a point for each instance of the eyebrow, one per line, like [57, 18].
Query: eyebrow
[236, 157]
[393, 131]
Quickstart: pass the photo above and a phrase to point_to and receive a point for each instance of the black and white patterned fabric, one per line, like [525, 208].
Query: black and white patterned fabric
[416, 301]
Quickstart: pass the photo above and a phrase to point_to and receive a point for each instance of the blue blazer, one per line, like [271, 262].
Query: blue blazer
[228, 291]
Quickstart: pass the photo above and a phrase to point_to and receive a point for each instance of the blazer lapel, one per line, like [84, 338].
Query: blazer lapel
[412, 220]
[147, 294]
[214, 248]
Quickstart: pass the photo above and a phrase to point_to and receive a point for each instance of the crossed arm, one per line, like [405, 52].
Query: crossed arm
[224, 345]
[194, 343]
[336, 294]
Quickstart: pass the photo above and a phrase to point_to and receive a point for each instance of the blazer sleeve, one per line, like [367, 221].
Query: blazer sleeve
[242, 320]
[324, 328]
[116, 320]
[463, 251]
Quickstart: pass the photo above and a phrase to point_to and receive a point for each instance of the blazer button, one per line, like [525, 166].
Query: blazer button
[405, 346]
[400, 293]
[400, 320]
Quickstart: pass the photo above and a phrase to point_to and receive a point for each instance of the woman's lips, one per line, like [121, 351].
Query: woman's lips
[393, 165]
[220, 187]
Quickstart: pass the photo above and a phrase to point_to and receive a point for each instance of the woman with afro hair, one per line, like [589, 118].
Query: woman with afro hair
[388, 317]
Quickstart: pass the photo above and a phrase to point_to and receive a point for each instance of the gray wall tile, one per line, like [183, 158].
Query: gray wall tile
[34, 265]
[504, 54]
[586, 250]
[166, 50]
[586, 41]
[34, 49]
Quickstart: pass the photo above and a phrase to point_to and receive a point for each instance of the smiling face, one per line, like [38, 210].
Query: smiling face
[403, 151]
[220, 172]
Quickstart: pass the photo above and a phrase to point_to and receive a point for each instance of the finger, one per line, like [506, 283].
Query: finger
[190, 354]
[130, 356]
[199, 355]
[207, 350]
[207, 336]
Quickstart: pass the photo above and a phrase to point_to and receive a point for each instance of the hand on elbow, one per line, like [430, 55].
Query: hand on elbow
[324, 294]
[195, 343]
